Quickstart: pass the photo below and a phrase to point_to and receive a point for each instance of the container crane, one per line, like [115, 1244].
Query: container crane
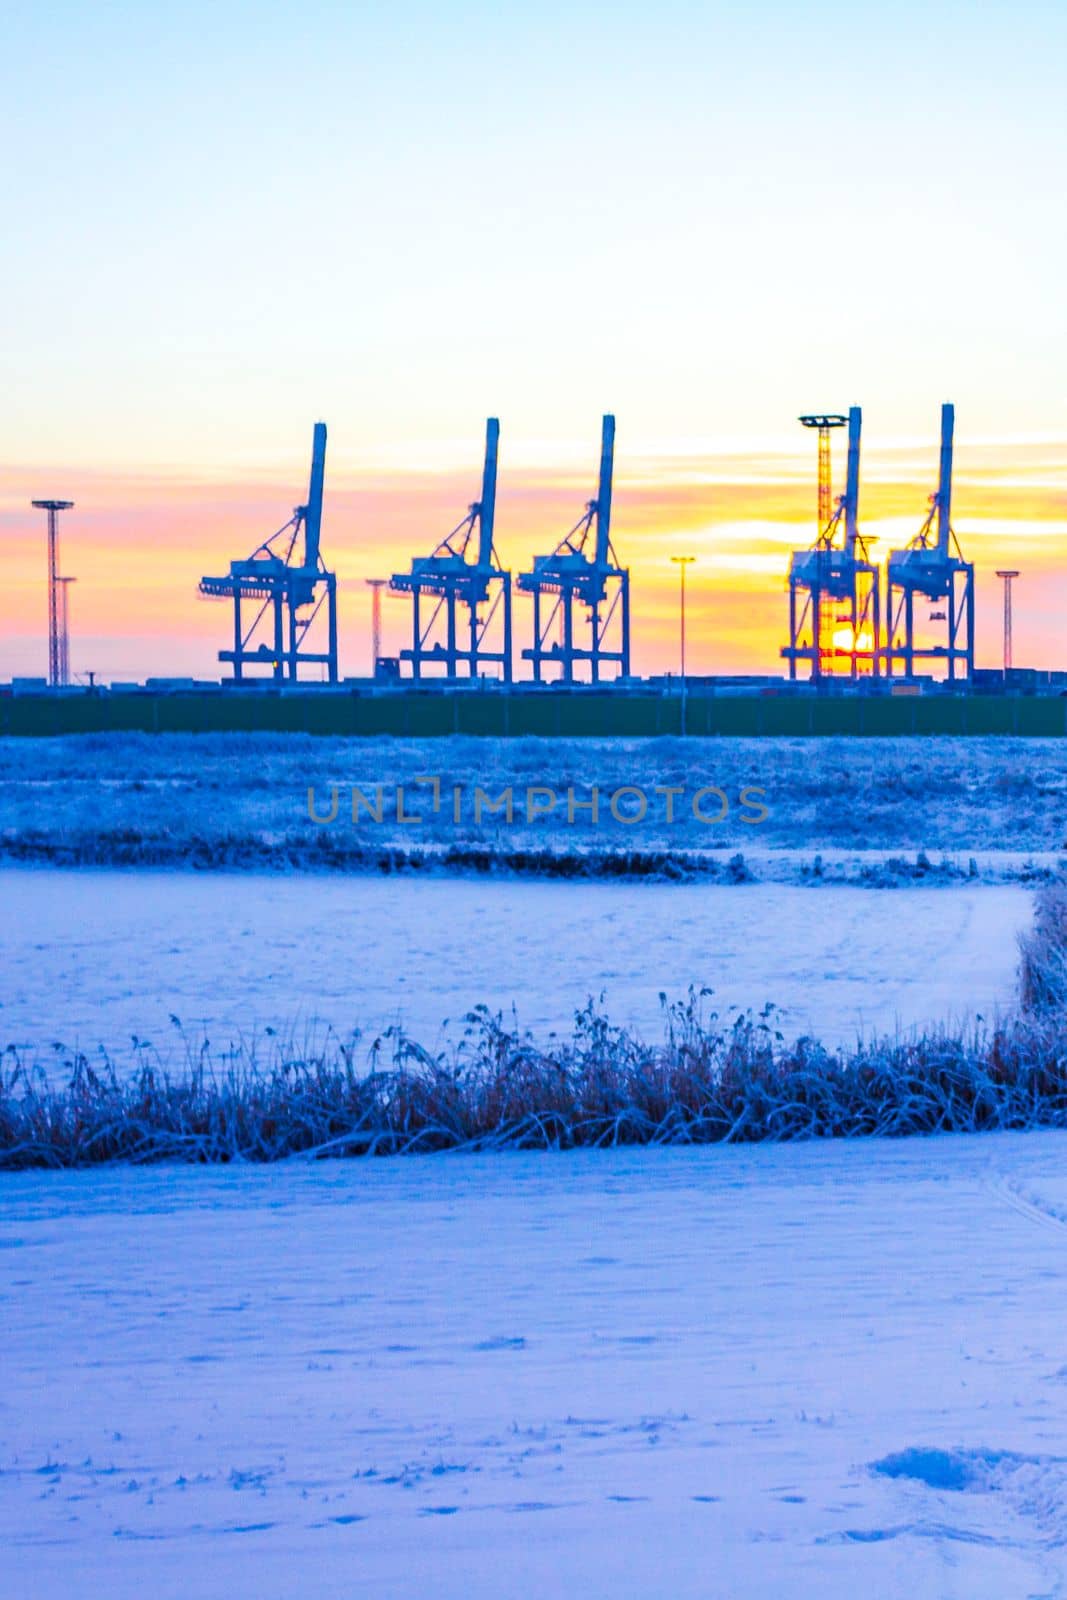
[834, 589]
[459, 577]
[932, 568]
[582, 570]
[289, 592]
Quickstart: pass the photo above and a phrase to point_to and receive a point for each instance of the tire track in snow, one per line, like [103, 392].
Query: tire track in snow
[1008, 1192]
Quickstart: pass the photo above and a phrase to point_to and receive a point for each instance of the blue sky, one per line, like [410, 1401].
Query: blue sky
[223, 220]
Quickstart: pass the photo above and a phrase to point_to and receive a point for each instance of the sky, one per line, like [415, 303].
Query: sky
[222, 222]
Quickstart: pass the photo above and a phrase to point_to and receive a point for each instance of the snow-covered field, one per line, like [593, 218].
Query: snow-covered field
[93, 958]
[243, 797]
[805, 1371]
[811, 1371]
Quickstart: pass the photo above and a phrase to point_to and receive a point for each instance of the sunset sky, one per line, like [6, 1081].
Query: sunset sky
[225, 221]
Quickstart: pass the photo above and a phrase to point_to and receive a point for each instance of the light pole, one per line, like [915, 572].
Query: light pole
[681, 562]
[64, 629]
[1007, 577]
[375, 585]
[53, 507]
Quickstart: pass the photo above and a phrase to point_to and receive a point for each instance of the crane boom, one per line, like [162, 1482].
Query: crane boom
[313, 509]
[852, 481]
[487, 504]
[603, 499]
[944, 484]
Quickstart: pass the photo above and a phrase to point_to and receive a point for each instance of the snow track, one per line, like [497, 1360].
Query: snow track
[1008, 1191]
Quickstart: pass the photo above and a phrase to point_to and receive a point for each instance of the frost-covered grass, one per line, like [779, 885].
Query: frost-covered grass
[1043, 951]
[241, 799]
[707, 1082]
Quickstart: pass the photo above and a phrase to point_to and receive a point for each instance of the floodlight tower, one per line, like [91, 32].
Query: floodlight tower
[53, 507]
[64, 629]
[932, 567]
[1007, 578]
[292, 588]
[460, 575]
[836, 572]
[593, 580]
[824, 422]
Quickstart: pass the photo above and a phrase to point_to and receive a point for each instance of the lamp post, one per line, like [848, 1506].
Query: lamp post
[681, 562]
[64, 629]
[53, 507]
[1007, 577]
[375, 585]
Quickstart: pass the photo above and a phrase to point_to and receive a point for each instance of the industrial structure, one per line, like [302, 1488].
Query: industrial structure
[834, 588]
[64, 629]
[682, 562]
[931, 568]
[852, 626]
[58, 635]
[459, 577]
[583, 570]
[824, 423]
[1007, 578]
[375, 585]
[288, 587]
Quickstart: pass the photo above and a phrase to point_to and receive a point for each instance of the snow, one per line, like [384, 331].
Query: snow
[814, 1371]
[92, 958]
[224, 792]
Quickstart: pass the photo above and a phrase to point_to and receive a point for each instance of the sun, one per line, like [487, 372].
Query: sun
[845, 641]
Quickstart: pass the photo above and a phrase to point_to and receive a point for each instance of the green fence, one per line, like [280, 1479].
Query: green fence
[431, 713]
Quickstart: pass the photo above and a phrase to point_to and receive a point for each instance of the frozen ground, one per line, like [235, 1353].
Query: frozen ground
[243, 798]
[814, 1371]
[92, 958]
[809, 1371]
